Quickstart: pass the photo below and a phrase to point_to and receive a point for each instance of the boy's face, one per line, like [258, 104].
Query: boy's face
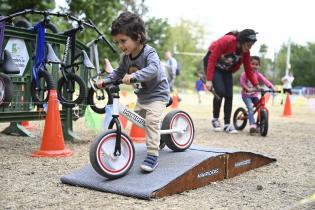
[126, 44]
[255, 64]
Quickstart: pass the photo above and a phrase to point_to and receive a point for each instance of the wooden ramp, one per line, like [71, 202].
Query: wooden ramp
[176, 173]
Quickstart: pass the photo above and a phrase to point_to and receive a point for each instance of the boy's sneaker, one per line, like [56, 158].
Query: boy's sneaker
[252, 129]
[216, 125]
[230, 129]
[149, 163]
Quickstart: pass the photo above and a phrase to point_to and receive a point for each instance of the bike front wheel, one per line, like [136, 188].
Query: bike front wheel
[102, 156]
[263, 122]
[184, 130]
[71, 91]
[240, 118]
[40, 89]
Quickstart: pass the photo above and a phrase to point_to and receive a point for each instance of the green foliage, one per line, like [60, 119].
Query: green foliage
[186, 36]
[102, 13]
[157, 33]
[8, 7]
[11, 6]
[263, 50]
[302, 63]
[107, 11]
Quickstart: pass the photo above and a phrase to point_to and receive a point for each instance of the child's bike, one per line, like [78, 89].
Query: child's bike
[112, 153]
[240, 116]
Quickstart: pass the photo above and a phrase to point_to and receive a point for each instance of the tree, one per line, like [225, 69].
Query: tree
[11, 6]
[263, 50]
[157, 33]
[107, 11]
[265, 63]
[302, 63]
[185, 37]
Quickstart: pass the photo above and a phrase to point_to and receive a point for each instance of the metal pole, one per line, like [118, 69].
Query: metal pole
[288, 65]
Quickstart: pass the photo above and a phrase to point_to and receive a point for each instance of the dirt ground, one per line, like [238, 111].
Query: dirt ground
[34, 183]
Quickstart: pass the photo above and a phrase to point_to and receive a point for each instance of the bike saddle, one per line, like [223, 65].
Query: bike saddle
[8, 65]
[86, 61]
[170, 101]
[51, 55]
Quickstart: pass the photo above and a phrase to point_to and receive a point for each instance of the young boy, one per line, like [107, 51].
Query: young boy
[250, 97]
[141, 61]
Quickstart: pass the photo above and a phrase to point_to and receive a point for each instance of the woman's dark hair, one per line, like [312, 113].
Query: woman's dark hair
[247, 35]
[129, 24]
[254, 57]
[234, 33]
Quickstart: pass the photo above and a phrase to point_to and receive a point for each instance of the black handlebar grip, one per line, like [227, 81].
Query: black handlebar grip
[133, 80]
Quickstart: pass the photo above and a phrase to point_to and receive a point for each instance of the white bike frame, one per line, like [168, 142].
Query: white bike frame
[119, 108]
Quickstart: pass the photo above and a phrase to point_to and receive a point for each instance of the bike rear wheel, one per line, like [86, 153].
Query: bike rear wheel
[263, 122]
[40, 90]
[71, 91]
[240, 118]
[178, 120]
[102, 156]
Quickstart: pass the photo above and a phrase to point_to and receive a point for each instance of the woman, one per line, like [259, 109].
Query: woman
[225, 57]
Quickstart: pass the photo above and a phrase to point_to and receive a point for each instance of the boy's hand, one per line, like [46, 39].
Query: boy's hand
[108, 66]
[126, 79]
[99, 84]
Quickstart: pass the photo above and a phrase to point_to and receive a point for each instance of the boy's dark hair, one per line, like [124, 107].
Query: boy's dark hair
[129, 24]
[254, 57]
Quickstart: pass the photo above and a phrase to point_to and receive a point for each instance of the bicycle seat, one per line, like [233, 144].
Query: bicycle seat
[51, 55]
[8, 65]
[170, 101]
[86, 61]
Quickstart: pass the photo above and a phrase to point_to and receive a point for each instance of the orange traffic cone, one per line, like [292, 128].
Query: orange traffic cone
[123, 121]
[267, 97]
[52, 144]
[27, 125]
[175, 102]
[137, 134]
[287, 107]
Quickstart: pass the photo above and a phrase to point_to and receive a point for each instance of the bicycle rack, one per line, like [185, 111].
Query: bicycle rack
[20, 42]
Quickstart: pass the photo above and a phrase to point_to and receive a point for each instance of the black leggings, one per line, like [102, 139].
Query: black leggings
[223, 86]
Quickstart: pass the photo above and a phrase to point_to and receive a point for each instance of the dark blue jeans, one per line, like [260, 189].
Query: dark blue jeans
[223, 86]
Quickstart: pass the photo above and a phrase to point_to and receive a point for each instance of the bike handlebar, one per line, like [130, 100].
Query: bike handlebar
[262, 90]
[108, 81]
[32, 11]
[102, 36]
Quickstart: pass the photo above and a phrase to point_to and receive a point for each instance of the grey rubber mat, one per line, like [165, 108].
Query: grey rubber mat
[143, 185]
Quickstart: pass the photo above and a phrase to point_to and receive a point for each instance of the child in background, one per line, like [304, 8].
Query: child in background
[141, 62]
[200, 88]
[249, 97]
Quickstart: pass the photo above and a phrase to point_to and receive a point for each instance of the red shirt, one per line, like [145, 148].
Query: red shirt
[223, 55]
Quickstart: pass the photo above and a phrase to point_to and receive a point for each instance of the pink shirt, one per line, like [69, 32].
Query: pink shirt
[246, 83]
